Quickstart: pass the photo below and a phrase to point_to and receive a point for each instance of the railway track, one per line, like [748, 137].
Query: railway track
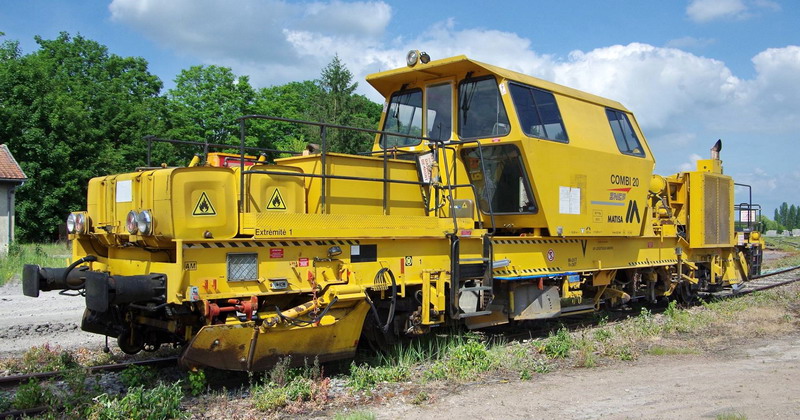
[10, 382]
[764, 282]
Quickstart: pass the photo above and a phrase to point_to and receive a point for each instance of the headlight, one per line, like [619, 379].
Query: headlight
[80, 222]
[144, 221]
[71, 223]
[412, 57]
[130, 222]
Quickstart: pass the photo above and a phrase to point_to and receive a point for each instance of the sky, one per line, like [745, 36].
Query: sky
[692, 71]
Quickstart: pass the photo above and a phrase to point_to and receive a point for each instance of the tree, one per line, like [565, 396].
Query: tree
[71, 111]
[293, 100]
[205, 104]
[339, 105]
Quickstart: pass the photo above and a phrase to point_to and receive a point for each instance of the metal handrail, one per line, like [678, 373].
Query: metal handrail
[433, 144]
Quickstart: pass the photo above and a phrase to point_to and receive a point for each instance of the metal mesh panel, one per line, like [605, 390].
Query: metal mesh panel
[242, 267]
[725, 210]
[717, 215]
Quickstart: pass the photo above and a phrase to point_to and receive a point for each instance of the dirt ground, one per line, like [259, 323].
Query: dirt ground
[757, 378]
[51, 318]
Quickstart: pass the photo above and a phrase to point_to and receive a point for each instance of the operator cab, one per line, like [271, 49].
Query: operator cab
[534, 157]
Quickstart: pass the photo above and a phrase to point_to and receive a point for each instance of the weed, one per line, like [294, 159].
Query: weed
[525, 375]
[32, 394]
[671, 351]
[558, 345]
[355, 415]
[138, 376]
[6, 401]
[46, 359]
[280, 372]
[271, 395]
[541, 366]
[420, 398]
[78, 396]
[463, 361]
[603, 334]
[197, 382]
[285, 385]
[586, 353]
[365, 377]
[161, 402]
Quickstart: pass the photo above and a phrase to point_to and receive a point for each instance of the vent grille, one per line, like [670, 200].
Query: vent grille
[718, 211]
[242, 267]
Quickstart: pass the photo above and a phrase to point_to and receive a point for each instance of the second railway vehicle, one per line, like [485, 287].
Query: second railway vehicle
[490, 197]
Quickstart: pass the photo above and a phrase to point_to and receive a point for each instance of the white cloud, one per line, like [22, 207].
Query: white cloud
[702, 11]
[708, 10]
[661, 85]
[255, 36]
[691, 165]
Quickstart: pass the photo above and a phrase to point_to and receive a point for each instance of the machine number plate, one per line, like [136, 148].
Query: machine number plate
[278, 284]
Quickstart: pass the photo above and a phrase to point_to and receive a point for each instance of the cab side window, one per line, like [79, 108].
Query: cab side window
[481, 112]
[538, 113]
[624, 135]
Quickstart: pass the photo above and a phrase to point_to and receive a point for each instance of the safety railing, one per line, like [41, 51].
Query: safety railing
[436, 147]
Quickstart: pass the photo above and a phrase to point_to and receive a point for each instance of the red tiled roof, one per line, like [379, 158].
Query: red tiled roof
[9, 168]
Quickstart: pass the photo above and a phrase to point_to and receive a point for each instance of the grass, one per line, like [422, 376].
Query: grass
[790, 245]
[46, 255]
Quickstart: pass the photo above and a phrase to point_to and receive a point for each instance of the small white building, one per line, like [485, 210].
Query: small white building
[11, 177]
[771, 233]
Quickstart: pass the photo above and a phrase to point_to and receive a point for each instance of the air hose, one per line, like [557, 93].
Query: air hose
[390, 317]
[88, 258]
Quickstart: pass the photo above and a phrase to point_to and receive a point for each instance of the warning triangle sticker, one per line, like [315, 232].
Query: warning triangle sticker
[204, 207]
[276, 201]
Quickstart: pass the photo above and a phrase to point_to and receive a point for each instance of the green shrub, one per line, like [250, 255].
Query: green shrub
[271, 395]
[197, 382]
[558, 345]
[46, 359]
[365, 377]
[160, 402]
[32, 394]
[463, 361]
[138, 376]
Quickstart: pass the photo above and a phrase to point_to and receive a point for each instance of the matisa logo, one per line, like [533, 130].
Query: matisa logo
[633, 212]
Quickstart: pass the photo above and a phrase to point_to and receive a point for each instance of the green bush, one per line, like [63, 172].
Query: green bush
[197, 382]
[32, 394]
[463, 361]
[365, 377]
[558, 345]
[138, 376]
[161, 402]
[271, 395]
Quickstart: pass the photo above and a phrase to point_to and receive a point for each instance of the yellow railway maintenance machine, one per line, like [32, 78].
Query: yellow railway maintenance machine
[489, 197]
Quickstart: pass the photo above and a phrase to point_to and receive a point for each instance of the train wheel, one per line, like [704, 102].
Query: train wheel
[686, 293]
[129, 342]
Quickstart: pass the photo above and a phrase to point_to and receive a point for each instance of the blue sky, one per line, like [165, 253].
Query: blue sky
[692, 71]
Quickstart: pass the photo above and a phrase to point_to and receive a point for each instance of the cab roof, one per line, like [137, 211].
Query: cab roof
[387, 82]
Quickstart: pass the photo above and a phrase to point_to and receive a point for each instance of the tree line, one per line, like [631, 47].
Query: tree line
[787, 217]
[71, 110]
